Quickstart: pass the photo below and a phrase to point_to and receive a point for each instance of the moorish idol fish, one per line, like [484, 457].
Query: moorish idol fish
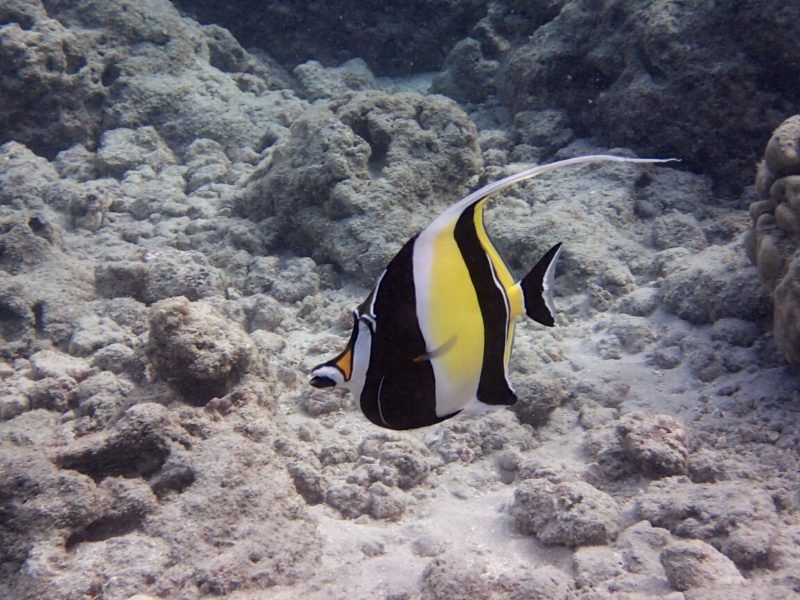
[433, 337]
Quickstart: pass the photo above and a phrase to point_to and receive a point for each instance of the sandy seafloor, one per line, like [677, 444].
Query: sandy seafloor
[173, 448]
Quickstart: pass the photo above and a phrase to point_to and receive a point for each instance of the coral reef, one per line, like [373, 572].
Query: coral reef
[185, 226]
[772, 243]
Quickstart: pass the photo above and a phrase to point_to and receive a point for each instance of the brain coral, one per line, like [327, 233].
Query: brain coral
[774, 241]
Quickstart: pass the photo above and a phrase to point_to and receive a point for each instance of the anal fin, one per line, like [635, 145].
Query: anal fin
[499, 396]
[494, 388]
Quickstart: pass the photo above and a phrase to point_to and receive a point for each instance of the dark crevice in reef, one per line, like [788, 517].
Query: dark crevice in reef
[38, 317]
[141, 460]
[378, 141]
[104, 528]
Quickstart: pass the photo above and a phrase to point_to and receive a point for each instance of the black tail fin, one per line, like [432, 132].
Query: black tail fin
[537, 288]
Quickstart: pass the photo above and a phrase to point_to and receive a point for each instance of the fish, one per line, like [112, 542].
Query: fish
[433, 338]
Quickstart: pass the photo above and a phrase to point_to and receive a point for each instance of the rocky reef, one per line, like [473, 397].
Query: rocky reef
[186, 224]
[620, 71]
[624, 72]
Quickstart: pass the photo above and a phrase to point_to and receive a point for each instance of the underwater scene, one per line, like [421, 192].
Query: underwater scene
[427, 300]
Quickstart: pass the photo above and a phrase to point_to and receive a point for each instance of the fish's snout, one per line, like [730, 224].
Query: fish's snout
[326, 375]
[320, 381]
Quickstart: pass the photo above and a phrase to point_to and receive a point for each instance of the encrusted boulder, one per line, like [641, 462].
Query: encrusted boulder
[736, 517]
[773, 243]
[400, 158]
[159, 275]
[712, 284]
[694, 563]
[571, 513]
[196, 348]
[656, 444]
[651, 445]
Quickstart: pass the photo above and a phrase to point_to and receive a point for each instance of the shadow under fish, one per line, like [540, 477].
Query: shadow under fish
[433, 338]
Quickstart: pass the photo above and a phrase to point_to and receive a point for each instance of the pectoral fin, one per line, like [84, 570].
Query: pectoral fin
[437, 352]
